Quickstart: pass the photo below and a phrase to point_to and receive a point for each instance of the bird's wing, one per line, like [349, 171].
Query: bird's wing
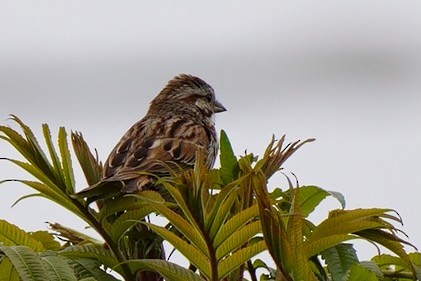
[147, 145]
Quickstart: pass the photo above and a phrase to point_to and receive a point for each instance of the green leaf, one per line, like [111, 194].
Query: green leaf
[373, 267]
[191, 233]
[57, 268]
[47, 240]
[238, 258]
[357, 220]
[124, 222]
[300, 262]
[56, 196]
[26, 262]
[239, 238]
[53, 154]
[129, 202]
[388, 240]
[91, 251]
[339, 259]
[11, 235]
[100, 191]
[7, 271]
[66, 161]
[311, 196]
[196, 257]
[34, 151]
[316, 247]
[169, 270]
[91, 166]
[222, 206]
[229, 165]
[89, 268]
[358, 273]
[235, 223]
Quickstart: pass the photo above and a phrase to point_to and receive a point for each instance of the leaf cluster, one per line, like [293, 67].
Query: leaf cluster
[218, 219]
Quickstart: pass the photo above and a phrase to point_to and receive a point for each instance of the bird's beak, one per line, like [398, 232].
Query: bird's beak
[218, 107]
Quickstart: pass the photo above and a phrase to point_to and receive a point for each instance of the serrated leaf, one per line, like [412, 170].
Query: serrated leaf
[221, 208]
[11, 235]
[56, 169]
[124, 222]
[47, 240]
[358, 273]
[234, 223]
[67, 169]
[89, 268]
[34, 151]
[91, 166]
[239, 258]
[239, 238]
[196, 257]
[388, 240]
[96, 252]
[311, 196]
[192, 234]
[57, 197]
[57, 268]
[26, 262]
[169, 270]
[7, 271]
[316, 247]
[339, 259]
[357, 220]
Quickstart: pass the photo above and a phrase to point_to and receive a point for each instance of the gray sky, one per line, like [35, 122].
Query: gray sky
[344, 72]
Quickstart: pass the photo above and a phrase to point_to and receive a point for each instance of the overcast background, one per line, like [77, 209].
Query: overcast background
[345, 72]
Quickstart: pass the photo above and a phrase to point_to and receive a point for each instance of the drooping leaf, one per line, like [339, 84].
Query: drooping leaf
[239, 258]
[90, 251]
[235, 223]
[192, 234]
[89, 268]
[193, 254]
[26, 262]
[239, 238]
[358, 273]
[11, 235]
[7, 271]
[57, 268]
[126, 221]
[311, 196]
[47, 240]
[169, 270]
[339, 259]
[54, 195]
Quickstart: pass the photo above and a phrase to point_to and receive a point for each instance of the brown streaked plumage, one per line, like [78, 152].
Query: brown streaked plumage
[180, 120]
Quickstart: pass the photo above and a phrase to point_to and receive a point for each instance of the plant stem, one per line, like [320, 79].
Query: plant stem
[104, 234]
[251, 270]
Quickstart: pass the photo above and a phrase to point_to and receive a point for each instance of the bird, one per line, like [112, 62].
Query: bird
[179, 122]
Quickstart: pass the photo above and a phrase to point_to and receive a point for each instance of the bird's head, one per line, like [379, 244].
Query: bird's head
[192, 91]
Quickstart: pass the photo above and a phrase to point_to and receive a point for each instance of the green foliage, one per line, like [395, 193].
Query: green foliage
[218, 219]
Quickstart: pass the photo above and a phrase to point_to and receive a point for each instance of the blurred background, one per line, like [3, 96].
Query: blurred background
[345, 72]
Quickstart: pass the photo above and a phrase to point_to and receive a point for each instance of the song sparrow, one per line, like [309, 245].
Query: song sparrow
[180, 120]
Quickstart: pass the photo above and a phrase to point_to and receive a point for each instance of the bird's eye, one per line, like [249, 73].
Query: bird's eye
[208, 98]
